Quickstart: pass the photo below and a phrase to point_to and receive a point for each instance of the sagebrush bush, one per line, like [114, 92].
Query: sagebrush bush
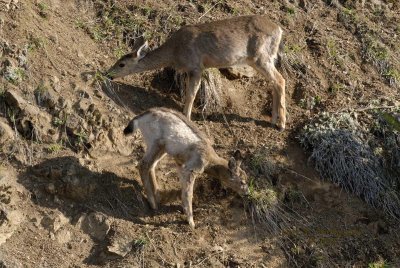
[355, 157]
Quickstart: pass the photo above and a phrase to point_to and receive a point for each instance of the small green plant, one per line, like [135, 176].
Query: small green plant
[317, 100]
[332, 50]
[119, 52]
[41, 93]
[176, 20]
[81, 137]
[379, 264]
[309, 103]
[80, 24]
[35, 43]
[293, 48]
[147, 11]
[335, 88]
[43, 9]
[55, 147]
[392, 75]
[58, 122]
[97, 34]
[290, 10]
[99, 77]
[139, 243]
[392, 121]
[41, 88]
[15, 75]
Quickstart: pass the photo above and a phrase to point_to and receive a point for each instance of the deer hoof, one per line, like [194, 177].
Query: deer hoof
[280, 128]
[191, 223]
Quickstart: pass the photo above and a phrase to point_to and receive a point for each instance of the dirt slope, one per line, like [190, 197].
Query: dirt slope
[70, 192]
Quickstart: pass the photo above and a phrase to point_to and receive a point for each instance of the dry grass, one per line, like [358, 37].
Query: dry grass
[209, 94]
[354, 155]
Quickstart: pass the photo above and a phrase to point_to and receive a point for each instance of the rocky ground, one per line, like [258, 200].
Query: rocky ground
[70, 192]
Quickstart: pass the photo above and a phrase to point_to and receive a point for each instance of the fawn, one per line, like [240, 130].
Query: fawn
[246, 40]
[169, 132]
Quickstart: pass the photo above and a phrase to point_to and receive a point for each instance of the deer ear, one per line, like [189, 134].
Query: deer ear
[232, 163]
[142, 50]
[238, 155]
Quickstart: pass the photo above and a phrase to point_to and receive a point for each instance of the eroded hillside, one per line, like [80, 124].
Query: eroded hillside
[70, 192]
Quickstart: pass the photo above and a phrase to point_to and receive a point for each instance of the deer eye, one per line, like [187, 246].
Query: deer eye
[122, 65]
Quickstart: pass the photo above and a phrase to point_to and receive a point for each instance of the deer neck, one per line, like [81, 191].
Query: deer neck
[217, 167]
[156, 59]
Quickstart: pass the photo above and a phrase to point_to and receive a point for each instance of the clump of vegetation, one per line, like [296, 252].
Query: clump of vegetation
[55, 147]
[41, 93]
[43, 9]
[379, 264]
[209, 94]
[310, 102]
[15, 75]
[263, 206]
[336, 87]
[372, 49]
[35, 43]
[375, 52]
[354, 156]
[264, 202]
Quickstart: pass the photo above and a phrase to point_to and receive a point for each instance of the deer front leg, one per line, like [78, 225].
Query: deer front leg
[280, 98]
[153, 178]
[147, 173]
[192, 86]
[187, 181]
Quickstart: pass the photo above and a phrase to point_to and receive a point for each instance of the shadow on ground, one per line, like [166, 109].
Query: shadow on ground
[138, 100]
[62, 183]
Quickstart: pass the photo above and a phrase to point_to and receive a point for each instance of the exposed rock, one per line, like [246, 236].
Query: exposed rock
[9, 222]
[31, 122]
[11, 193]
[53, 223]
[7, 5]
[96, 224]
[55, 83]
[45, 96]
[83, 105]
[63, 236]
[120, 245]
[6, 132]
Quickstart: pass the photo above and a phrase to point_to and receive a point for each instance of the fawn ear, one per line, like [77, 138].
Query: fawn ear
[238, 157]
[232, 164]
[142, 50]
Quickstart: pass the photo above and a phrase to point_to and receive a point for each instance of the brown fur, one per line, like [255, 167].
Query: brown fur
[247, 40]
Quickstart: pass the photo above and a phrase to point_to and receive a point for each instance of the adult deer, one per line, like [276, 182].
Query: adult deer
[169, 132]
[247, 40]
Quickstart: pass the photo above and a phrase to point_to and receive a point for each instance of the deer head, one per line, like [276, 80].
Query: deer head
[129, 63]
[237, 179]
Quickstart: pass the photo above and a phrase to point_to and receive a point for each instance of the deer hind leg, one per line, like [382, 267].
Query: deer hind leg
[147, 174]
[192, 86]
[269, 71]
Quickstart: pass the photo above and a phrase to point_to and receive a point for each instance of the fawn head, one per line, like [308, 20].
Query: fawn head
[237, 180]
[128, 63]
